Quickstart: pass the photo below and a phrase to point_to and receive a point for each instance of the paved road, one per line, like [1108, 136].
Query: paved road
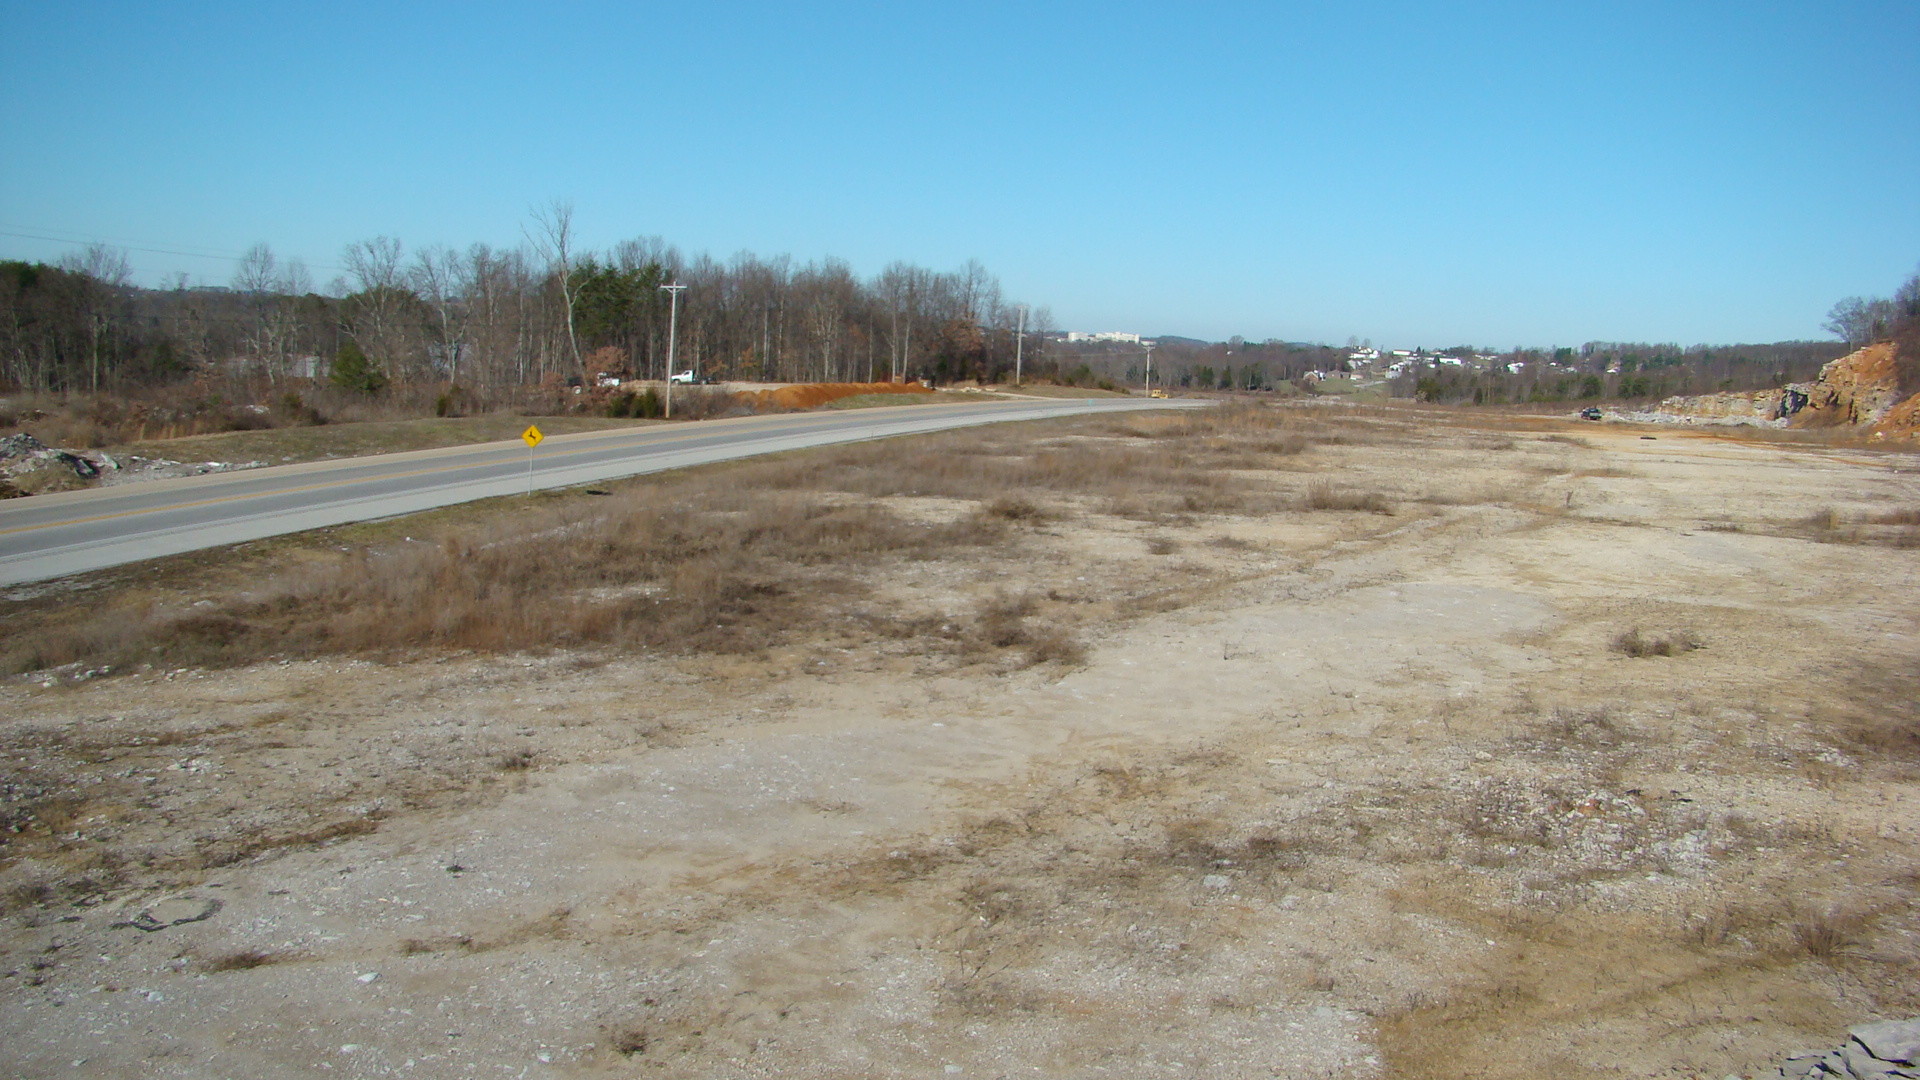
[48, 536]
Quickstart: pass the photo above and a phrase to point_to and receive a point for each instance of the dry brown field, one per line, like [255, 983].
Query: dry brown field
[1270, 741]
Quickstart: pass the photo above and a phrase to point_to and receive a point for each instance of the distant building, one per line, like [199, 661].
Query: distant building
[1103, 335]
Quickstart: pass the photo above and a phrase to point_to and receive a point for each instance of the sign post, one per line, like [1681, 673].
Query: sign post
[532, 436]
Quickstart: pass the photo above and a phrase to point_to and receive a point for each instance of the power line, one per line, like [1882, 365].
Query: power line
[21, 232]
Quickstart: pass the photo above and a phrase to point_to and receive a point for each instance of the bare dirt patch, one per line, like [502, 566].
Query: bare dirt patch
[1272, 742]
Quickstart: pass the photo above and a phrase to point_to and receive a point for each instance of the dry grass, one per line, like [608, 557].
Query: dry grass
[1824, 934]
[735, 559]
[1637, 643]
[1323, 495]
[1015, 508]
[1898, 528]
[308, 443]
[248, 959]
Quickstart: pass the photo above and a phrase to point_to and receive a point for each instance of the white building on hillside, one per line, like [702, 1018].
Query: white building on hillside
[1104, 335]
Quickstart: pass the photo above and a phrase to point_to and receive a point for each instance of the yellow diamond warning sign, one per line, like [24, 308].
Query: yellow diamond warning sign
[532, 436]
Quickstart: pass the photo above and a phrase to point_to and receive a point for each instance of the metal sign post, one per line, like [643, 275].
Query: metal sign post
[532, 436]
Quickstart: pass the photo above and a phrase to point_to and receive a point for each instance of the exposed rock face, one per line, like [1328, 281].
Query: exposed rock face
[1890, 1048]
[1859, 389]
[1747, 406]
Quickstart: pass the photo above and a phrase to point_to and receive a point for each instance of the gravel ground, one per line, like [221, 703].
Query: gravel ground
[1367, 795]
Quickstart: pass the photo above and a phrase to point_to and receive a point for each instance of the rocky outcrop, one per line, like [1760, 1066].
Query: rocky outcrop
[1857, 390]
[1861, 390]
[1890, 1048]
[1738, 407]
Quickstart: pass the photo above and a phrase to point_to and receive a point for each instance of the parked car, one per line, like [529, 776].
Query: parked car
[1592, 413]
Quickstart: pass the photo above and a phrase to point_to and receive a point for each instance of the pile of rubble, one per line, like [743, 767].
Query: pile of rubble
[1890, 1048]
[21, 454]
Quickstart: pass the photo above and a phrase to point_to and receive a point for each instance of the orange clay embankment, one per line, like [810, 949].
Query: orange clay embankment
[814, 395]
[1901, 422]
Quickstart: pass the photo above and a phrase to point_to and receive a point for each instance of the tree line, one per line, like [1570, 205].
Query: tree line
[1455, 375]
[486, 318]
[1860, 320]
[1615, 371]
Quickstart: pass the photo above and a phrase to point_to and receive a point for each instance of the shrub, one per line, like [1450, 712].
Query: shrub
[1636, 644]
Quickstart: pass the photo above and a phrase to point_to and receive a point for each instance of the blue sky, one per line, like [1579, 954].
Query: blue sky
[1412, 173]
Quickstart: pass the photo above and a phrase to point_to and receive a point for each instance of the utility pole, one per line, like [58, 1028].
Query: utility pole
[673, 335]
[1019, 343]
[1149, 369]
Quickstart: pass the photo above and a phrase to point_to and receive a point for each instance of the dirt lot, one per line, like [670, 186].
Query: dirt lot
[1359, 743]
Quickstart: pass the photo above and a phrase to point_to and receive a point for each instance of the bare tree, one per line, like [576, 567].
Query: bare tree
[903, 287]
[552, 236]
[375, 263]
[295, 280]
[257, 272]
[104, 264]
[1858, 320]
[270, 323]
[439, 276]
[378, 311]
[108, 274]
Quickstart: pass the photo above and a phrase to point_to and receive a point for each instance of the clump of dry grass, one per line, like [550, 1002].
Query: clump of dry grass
[248, 959]
[1637, 643]
[1823, 933]
[1055, 646]
[1899, 528]
[1567, 726]
[629, 1041]
[1014, 508]
[1008, 622]
[1323, 495]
